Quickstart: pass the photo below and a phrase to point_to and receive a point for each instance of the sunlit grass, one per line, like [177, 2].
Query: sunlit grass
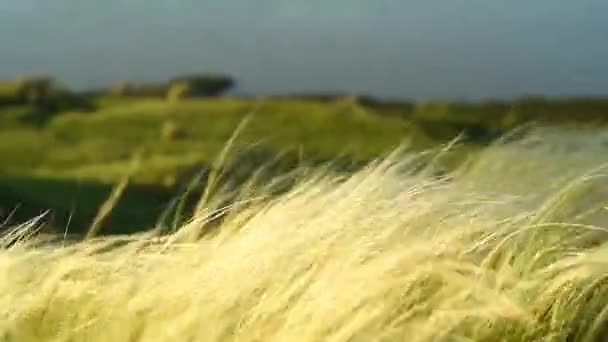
[510, 248]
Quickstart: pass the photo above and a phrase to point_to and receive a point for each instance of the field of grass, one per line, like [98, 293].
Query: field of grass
[510, 247]
[69, 160]
[71, 163]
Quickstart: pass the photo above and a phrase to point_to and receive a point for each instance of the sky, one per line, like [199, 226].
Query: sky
[413, 49]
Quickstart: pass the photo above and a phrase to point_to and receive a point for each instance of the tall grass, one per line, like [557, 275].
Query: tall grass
[509, 248]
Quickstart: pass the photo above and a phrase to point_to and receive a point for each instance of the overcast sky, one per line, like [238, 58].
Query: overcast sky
[394, 48]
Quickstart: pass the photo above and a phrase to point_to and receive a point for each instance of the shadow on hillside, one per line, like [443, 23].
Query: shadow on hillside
[74, 204]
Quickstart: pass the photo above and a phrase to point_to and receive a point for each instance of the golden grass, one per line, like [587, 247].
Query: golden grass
[515, 252]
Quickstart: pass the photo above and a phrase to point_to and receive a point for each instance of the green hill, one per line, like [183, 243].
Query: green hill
[77, 156]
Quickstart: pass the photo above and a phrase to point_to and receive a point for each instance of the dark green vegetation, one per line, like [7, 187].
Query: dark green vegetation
[65, 152]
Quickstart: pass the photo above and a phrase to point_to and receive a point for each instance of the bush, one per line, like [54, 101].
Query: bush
[43, 97]
[204, 85]
[36, 90]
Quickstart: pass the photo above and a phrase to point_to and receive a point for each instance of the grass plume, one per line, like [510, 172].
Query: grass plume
[389, 253]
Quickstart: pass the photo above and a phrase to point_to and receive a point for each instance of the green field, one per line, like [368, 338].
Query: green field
[71, 162]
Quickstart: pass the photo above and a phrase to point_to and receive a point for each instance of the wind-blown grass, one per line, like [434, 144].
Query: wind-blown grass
[386, 254]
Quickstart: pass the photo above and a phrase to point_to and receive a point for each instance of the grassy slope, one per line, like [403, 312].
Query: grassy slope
[510, 250]
[81, 141]
[77, 157]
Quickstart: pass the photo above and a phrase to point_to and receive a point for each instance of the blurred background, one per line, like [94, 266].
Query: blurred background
[87, 88]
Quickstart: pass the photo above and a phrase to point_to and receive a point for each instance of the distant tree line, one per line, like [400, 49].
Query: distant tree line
[181, 87]
[45, 91]
[43, 95]
[480, 121]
